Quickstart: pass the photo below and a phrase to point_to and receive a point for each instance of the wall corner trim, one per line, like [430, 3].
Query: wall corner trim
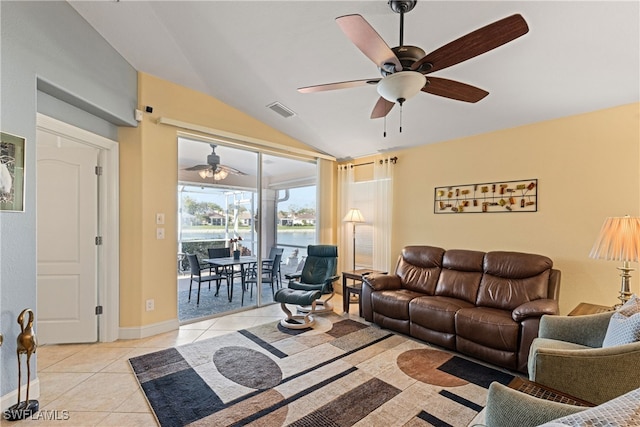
[12, 397]
[137, 332]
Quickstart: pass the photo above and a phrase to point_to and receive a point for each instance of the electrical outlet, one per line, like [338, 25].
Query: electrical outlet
[160, 233]
[151, 305]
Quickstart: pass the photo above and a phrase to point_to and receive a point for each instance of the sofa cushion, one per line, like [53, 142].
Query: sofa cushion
[393, 304]
[489, 327]
[419, 268]
[512, 279]
[460, 275]
[624, 325]
[436, 313]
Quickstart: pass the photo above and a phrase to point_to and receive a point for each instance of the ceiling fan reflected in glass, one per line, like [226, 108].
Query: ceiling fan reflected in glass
[218, 175]
[406, 69]
[213, 168]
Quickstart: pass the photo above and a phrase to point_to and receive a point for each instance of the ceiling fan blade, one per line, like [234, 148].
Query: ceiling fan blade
[382, 108]
[229, 169]
[473, 44]
[198, 168]
[362, 34]
[339, 85]
[454, 90]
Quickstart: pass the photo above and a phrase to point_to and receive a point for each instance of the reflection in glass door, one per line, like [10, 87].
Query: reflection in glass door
[262, 205]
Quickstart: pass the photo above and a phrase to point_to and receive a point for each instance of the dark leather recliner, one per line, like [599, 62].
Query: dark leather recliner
[486, 305]
[318, 274]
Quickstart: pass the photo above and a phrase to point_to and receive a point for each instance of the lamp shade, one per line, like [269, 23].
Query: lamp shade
[619, 240]
[401, 86]
[354, 215]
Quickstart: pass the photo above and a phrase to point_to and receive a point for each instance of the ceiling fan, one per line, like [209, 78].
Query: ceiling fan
[213, 168]
[404, 69]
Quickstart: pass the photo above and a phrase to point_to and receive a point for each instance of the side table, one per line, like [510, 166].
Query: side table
[543, 392]
[355, 287]
[587, 308]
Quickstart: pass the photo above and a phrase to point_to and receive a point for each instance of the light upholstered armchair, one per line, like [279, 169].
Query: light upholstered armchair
[568, 356]
[508, 408]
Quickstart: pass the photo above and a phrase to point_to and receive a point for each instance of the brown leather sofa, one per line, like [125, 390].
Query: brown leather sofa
[486, 305]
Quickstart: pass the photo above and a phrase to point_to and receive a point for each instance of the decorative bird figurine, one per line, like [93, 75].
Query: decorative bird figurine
[26, 345]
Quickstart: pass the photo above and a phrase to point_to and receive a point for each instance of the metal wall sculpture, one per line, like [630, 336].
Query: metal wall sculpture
[505, 196]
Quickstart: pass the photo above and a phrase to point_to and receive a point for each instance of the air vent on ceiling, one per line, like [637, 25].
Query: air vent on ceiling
[281, 109]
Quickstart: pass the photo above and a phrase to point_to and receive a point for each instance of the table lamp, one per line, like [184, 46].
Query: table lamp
[619, 240]
[354, 216]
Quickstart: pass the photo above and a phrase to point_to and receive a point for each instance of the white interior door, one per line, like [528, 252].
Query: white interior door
[67, 206]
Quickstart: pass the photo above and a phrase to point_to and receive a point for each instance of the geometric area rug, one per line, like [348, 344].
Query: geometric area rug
[341, 372]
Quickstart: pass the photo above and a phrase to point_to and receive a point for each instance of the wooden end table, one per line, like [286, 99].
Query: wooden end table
[543, 392]
[586, 308]
[355, 287]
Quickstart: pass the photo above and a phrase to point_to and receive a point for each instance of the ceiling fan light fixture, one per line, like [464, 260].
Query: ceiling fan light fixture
[399, 87]
[220, 175]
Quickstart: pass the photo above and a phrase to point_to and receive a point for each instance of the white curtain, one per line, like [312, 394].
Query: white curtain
[382, 212]
[345, 238]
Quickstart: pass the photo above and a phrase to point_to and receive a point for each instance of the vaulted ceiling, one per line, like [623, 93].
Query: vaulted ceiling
[578, 56]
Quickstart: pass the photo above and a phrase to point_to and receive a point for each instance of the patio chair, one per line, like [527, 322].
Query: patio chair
[197, 276]
[318, 274]
[270, 270]
[273, 266]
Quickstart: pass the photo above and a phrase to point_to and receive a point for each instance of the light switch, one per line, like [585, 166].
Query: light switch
[159, 218]
[160, 233]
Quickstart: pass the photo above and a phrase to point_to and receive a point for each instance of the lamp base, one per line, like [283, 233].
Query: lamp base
[625, 293]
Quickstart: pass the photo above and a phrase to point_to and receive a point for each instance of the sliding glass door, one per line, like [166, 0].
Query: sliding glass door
[261, 204]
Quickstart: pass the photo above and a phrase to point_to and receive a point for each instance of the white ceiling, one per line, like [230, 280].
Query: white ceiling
[578, 56]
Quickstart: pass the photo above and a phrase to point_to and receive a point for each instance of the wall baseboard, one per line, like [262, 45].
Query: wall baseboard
[132, 333]
[11, 398]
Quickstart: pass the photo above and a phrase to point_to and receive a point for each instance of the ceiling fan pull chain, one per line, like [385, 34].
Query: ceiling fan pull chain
[384, 133]
[400, 118]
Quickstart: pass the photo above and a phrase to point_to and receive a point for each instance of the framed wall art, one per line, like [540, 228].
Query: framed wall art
[11, 172]
[505, 196]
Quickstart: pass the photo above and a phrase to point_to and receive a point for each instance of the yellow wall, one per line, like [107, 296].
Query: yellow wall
[148, 185]
[587, 166]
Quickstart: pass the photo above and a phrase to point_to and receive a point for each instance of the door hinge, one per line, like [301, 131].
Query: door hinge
[98, 240]
[98, 309]
[98, 170]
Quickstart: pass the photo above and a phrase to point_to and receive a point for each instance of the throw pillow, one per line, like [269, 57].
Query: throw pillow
[624, 326]
[623, 411]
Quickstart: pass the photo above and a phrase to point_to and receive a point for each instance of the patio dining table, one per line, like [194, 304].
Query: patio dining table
[228, 263]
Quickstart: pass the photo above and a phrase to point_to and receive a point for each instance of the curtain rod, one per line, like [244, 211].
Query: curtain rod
[236, 138]
[392, 160]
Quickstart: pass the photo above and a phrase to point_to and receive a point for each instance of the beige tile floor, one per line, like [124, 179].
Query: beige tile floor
[94, 383]
[83, 385]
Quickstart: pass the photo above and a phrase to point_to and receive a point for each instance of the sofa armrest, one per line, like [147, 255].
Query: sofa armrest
[534, 308]
[507, 408]
[586, 330]
[592, 374]
[381, 282]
